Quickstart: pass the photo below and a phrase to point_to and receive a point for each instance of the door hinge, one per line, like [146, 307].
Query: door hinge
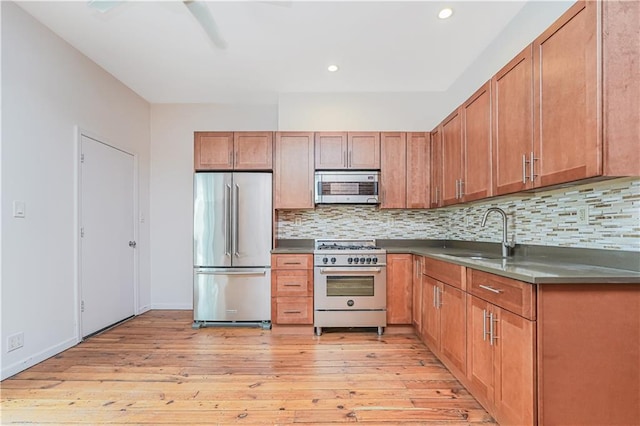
[82, 232]
[82, 306]
[82, 158]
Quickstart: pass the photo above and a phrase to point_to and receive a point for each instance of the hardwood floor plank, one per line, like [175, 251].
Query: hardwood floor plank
[155, 369]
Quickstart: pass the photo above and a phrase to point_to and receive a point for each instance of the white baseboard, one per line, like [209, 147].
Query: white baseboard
[171, 306]
[32, 360]
[143, 309]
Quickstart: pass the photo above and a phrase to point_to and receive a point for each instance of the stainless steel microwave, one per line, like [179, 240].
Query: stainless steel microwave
[348, 187]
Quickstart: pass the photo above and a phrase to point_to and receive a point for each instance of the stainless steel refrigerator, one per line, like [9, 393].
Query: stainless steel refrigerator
[232, 249]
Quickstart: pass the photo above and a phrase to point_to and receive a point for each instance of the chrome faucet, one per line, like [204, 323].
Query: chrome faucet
[506, 245]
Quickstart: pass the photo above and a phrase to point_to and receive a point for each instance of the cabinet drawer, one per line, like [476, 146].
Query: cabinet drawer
[292, 283]
[445, 272]
[291, 261]
[294, 310]
[515, 296]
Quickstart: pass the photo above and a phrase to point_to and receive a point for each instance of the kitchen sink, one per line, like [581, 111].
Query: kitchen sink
[477, 256]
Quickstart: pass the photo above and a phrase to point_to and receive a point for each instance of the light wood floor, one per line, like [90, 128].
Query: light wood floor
[155, 369]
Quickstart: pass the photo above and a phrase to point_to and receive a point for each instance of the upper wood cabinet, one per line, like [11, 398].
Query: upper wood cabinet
[466, 150]
[436, 168]
[512, 101]
[476, 133]
[404, 170]
[567, 140]
[393, 170]
[418, 170]
[233, 150]
[452, 159]
[557, 118]
[347, 150]
[293, 174]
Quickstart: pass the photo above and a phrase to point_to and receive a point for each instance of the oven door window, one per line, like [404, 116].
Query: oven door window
[350, 286]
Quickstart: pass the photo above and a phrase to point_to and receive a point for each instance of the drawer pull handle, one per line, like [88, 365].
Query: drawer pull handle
[292, 312]
[292, 263]
[491, 289]
[292, 285]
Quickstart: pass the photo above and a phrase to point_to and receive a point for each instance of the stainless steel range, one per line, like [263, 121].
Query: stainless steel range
[350, 284]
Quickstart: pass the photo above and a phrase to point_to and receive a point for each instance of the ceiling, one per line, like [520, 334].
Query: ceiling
[160, 51]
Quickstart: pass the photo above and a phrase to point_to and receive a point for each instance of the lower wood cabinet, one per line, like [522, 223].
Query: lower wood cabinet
[500, 361]
[292, 289]
[416, 288]
[444, 322]
[399, 288]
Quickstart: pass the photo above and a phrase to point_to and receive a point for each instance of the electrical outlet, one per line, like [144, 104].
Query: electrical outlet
[15, 341]
[583, 215]
[391, 222]
[297, 221]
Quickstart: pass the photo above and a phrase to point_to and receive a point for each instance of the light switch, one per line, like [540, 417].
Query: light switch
[18, 209]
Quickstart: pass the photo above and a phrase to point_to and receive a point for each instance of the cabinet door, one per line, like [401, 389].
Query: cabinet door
[213, 151]
[430, 312]
[514, 368]
[331, 150]
[476, 130]
[253, 150]
[293, 178]
[399, 293]
[393, 165]
[293, 310]
[436, 168]
[292, 282]
[364, 150]
[418, 170]
[480, 362]
[417, 294]
[453, 326]
[512, 95]
[567, 137]
[451, 159]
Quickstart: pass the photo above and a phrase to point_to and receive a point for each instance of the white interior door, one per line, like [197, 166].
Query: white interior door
[106, 228]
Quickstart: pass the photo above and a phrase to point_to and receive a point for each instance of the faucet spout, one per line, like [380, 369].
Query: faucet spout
[506, 245]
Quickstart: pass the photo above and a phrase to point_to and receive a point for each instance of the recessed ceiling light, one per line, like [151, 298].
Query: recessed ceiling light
[332, 68]
[445, 13]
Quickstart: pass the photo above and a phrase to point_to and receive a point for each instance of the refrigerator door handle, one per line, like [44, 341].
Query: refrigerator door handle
[227, 220]
[236, 219]
[231, 272]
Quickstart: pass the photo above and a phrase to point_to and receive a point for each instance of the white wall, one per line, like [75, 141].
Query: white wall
[49, 88]
[416, 111]
[172, 188]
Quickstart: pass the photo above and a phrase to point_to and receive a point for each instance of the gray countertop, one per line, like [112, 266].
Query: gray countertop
[532, 264]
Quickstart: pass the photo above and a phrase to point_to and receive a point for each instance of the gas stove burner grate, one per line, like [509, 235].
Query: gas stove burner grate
[353, 247]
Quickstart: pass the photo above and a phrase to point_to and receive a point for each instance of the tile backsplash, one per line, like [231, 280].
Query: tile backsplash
[547, 218]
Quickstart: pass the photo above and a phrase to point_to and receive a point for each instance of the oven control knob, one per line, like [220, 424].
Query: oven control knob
[362, 260]
[350, 260]
[333, 260]
[325, 260]
[374, 260]
[356, 260]
[368, 260]
[350, 302]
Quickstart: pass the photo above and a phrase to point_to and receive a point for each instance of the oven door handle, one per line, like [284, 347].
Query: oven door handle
[349, 270]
